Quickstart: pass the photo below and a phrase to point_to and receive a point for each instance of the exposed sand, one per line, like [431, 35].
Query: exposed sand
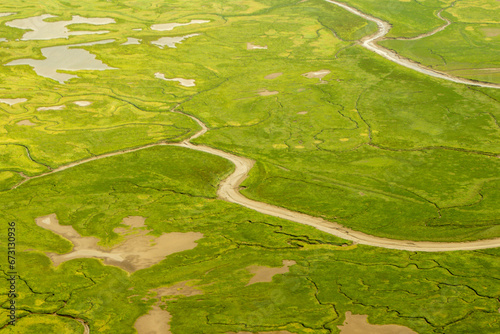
[251, 46]
[5, 14]
[132, 41]
[273, 76]
[3, 40]
[302, 112]
[61, 107]
[11, 102]
[171, 26]
[358, 324]
[26, 122]
[265, 274]
[42, 30]
[82, 103]
[183, 82]
[369, 43]
[64, 58]
[156, 321]
[172, 41]
[265, 92]
[138, 251]
[317, 74]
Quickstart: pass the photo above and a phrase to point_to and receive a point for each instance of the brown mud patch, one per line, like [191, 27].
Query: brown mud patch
[156, 321]
[26, 122]
[251, 46]
[358, 324]
[316, 74]
[138, 251]
[265, 92]
[178, 289]
[273, 75]
[265, 274]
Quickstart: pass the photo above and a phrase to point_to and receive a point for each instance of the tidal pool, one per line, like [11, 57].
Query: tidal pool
[132, 41]
[64, 57]
[11, 102]
[41, 30]
[82, 103]
[171, 41]
[170, 26]
[183, 82]
[61, 107]
[251, 46]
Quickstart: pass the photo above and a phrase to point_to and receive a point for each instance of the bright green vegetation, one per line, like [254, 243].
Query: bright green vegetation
[468, 48]
[168, 187]
[408, 18]
[373, 146]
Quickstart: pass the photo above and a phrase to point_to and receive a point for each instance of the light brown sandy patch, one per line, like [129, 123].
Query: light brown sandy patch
[156, 321]
[344, 139]
[251, 46]
[316, 74]
[301, 90]
[82, 103]
[134, 221]
[179, 289]
[265, 92]
[358, 324]
[273, 75]
[491, 32]
[139, 250]
[26, 122]
[265, 274]
[302, 112]
[11, 102]
[61, 107]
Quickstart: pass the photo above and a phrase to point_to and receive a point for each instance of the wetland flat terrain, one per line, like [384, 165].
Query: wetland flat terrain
[268, 166]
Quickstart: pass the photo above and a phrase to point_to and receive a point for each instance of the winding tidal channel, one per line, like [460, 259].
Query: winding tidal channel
[229, 188]
[370, 43]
